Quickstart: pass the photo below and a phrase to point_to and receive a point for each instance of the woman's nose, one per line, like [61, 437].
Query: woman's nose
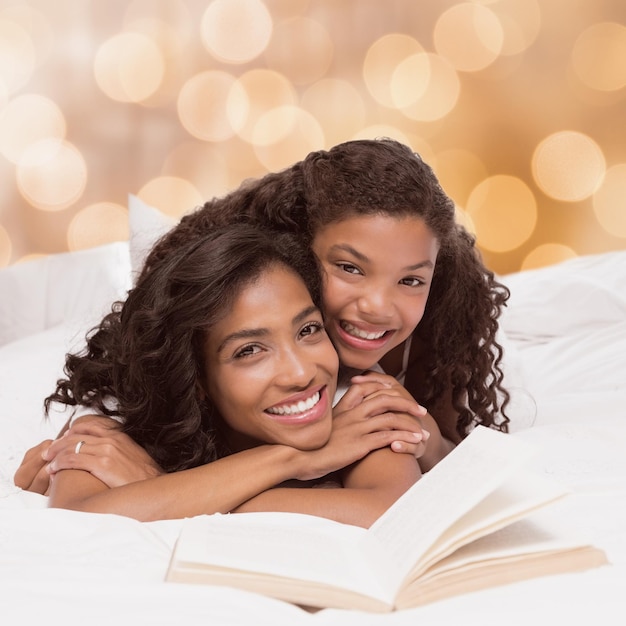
[296, 369]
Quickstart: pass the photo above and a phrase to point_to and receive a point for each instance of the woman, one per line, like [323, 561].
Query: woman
[220, 353]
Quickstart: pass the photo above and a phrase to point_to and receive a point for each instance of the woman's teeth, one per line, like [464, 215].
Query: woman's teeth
[299, 407]
[361, 334]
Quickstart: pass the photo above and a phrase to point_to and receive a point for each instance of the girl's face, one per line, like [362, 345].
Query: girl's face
[272, 368]
[378, 271]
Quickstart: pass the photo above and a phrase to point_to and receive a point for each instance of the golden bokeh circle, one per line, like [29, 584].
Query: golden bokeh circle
[521, 24]
[469, 36]
[212, 105]
[52, 174]
[609, 201]
[504, 212]
[27, 119]
[382, 57]
[129, 67]
[568, 166]
[547, 254]
[441, 93]
[410, 79]
[253, 95]
[236, 31]
[97, 225]
[172, 195]
[599, 56]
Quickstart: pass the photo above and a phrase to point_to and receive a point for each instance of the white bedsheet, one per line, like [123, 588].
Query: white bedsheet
[63, 567]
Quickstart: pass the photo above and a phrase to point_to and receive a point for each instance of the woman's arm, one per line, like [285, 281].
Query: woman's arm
[225, 484]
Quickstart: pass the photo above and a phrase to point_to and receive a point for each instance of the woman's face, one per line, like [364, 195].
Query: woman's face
[378, 271]
[272, 369]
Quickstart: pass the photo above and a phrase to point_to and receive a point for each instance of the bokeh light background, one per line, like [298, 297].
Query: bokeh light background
[519, 106]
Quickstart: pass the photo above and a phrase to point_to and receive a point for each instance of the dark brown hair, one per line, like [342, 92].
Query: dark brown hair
[147, 354]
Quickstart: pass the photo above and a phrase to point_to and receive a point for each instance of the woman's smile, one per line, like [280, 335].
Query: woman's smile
[271, 368]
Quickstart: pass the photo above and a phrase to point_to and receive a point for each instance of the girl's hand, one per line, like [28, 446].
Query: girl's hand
[377, 421]
[438, 447]
[373, 383]
[105, 452]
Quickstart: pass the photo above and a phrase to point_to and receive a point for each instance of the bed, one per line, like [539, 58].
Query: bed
[564, 333]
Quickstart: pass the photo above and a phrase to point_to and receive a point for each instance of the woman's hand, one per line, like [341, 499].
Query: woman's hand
[105, 452]
[32, 475]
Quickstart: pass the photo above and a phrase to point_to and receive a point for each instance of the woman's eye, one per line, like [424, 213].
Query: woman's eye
[347, 267]
[411, 281]
[312, 329]
[247, 351]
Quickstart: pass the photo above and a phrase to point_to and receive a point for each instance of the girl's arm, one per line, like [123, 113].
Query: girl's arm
[224, 485]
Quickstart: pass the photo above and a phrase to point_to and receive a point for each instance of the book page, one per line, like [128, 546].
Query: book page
[477, 466]
[518, 497]
[285, 545]
[536, 546]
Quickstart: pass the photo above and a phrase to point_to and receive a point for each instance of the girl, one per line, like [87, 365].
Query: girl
[220, 352]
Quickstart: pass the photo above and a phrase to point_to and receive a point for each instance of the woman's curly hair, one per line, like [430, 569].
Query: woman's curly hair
[385, 177]
[147, 354]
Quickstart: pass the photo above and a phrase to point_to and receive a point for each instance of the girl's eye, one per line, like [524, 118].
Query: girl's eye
[349, 268]
[411, 281]
[249, 350]
[312, 328]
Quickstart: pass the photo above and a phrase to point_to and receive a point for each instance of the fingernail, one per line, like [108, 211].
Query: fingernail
[418, 436]
[425, 435]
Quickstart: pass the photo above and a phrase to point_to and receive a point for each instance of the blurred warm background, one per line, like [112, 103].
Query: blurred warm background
[519, 105]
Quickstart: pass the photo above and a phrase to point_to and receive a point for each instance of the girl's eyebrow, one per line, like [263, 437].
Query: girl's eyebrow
[344, 247]
[255, 333]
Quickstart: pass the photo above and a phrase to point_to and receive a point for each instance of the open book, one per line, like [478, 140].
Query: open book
[477, 519]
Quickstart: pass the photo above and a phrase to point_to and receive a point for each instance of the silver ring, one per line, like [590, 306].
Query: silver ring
[79, 445]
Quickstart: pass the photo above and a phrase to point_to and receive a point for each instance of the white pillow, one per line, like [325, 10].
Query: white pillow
[565, 299]
[44, 292]
[147, 225]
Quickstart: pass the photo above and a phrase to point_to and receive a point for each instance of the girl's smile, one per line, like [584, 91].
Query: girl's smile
[377, 275]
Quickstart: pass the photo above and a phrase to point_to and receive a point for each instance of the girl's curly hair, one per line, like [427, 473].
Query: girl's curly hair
[385, 177]
[147, 354]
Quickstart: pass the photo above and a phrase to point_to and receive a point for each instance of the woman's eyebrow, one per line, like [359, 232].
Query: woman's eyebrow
[256, 333]
[344, 247]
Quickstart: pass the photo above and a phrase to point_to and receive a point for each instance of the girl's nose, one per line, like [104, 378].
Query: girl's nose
[375, 303]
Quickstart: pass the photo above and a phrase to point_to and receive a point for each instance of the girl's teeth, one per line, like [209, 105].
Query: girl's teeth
[294, 409]
[361, 334]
